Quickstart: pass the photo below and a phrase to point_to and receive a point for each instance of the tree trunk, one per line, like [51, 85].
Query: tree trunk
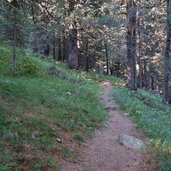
[63, 50]
[139, 57]
[145, 85]
[152, 83]
[14, 37]
[87, 55]
[54, 51]
[54, 47]
[166, 86]
[140, 74]
[59, 49]
[73, 48]
[14, 53]
[107, 58]
[131, 45]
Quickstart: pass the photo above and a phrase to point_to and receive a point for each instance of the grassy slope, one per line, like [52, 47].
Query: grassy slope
[153, 118]
[39, 107]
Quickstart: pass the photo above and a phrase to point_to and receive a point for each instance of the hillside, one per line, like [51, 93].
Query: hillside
[44, 110]
[48, 111]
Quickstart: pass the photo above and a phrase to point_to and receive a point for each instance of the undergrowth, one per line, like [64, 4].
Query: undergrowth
[38, 106]
[153, 118]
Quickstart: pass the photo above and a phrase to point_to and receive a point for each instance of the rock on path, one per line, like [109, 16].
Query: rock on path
[131, 142]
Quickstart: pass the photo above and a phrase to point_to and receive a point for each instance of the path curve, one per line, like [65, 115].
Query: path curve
[103, 152]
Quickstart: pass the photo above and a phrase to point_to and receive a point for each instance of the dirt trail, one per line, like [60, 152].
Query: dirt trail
[103, 152]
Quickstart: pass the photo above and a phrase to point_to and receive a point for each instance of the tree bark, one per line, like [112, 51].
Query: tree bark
[73, 48]
[107, 58]
[145, 84]
[152, 83]
[63, 48]
[166, 83]
[14, 53]
[131, 45]
[87, 56]
[59, 49]
[139, 57]
[54, 51]
[14, 37]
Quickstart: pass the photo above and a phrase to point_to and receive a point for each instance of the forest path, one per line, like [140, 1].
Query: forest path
[103, 152]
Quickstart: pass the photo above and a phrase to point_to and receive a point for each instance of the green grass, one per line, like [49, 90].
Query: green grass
[40, 104]
[101, 77]
[153, 117]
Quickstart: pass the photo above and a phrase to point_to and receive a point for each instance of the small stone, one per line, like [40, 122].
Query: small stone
[35, 135]
[130, 142]
[69, 93]
[106, 125]
[126, 114]
[58, 140]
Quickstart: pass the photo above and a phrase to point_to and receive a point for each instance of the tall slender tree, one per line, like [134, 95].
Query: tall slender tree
[167, 58]
[73, 48]
[131, 44]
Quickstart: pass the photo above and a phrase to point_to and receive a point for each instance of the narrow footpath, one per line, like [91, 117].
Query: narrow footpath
[103, 152]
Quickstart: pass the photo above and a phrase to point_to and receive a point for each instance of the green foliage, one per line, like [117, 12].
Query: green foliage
[79, 138]
[101, 77]
[5, 54]
[154, 119]
[28, 66]
[13, 16]
[38, 107]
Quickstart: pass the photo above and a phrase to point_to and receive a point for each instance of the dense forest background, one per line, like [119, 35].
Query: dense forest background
[122, 38]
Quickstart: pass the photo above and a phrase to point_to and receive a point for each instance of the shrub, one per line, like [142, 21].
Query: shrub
[28, 66]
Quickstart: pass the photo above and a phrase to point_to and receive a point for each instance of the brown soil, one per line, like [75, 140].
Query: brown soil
[103, 152]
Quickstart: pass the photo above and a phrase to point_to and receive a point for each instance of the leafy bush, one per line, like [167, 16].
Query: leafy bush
[28, 66]
[5, 64]
[4, 53]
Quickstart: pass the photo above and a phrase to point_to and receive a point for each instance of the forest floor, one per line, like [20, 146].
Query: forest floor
[103, 152]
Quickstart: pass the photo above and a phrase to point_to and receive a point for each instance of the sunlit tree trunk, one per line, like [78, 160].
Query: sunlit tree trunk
[73, 48]
[166, 83]
[139, 57]
[107, 58]
[131, 44]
